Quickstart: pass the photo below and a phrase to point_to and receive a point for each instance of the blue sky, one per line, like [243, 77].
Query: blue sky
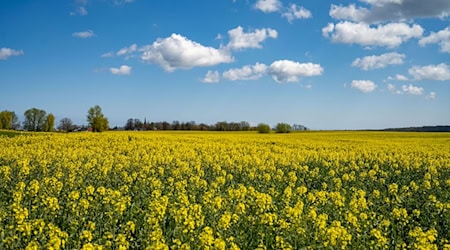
[324, 64]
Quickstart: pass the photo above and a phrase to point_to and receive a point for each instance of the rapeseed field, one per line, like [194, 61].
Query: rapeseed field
[194, 190]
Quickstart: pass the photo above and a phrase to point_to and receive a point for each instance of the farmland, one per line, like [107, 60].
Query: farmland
[241, 190]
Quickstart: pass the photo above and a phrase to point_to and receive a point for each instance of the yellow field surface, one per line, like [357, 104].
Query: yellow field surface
[203, 190]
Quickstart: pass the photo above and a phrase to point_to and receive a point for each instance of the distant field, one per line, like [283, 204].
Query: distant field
[9, 133]
[225, 190]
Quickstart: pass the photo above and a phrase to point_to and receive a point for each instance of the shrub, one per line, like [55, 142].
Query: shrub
[283, 128]
[263, 128]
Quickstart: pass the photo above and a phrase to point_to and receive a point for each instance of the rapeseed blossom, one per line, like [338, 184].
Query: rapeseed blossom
[167, 190]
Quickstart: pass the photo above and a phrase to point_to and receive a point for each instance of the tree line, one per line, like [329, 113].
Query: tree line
[38, 120]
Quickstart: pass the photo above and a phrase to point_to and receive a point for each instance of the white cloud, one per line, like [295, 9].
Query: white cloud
[412, 90]
[119, 2]
[389, 35]
[377, 62]
[398, 77]
[79, 11]
[391, 10]
[211, 77]
[127, 50]
[442, 38]
[290, 71]
[440, 72]
[83, 34]
[248, 72]
[108, 54]
[391, 87]
[123, 70]
[296, 12]
[7, 52]
[241, 40]
[268, 6]
[178, 52]
[364, 86]
[431, 96]
[350, 12]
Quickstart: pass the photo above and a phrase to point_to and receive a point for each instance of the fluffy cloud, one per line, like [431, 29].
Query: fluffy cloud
[241, 40]
[248, 72]
[442, 38]
[412, 90]
[83, 34]
[290, 71]
[431, 96]
[211, 77]
[364, 86]
[178, 52]
[296, 12]
[127, 50]
[391, 10]
[7, 52]
[123, 70]
[268, 6]
[389, 35]
[440, 72]
[377, 62]
[398, 77]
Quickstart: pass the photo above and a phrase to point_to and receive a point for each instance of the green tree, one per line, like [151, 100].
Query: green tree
[96, 120]
[8, 120]
[49, 125]
[283, 128]
[34, 119]
[263, 128]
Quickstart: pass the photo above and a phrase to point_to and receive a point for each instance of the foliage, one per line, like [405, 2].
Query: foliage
[34, 119]
[263, 128]
[96, 120]
[8, 120]
[49, 125]
[318, 190]
[283, 128]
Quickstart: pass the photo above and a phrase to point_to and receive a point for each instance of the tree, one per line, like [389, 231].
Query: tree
[49, 125]
[263, 128]
[283, 128]
[66, 125]
[8, 120]
[34, 119]
[96, 120]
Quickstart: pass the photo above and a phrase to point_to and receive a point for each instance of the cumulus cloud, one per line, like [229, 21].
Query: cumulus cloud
[377, 62]
[439, 72]
[248, 72]
[398, 77]
[108, 54]
[7, 52]
[290, 71]
[84, 34]
[412, 90]
[442, 38]
[365, 86]
[241, 40]
[122, 70]
[178, 52]
[268, 6]
[389, 35]
[296, 12]
[127, 50]
[211, 77]
[391, 10]
[431, 96]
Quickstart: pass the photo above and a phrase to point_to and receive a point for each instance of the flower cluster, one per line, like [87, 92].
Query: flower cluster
[168, 190]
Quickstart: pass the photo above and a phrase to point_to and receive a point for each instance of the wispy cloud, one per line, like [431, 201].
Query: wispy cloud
[84, 34]
[7, 52]
[122, 70]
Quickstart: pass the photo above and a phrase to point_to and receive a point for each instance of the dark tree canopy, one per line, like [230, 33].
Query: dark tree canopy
[66, 125]
[263, 128]
[96, 120]
[34, 119]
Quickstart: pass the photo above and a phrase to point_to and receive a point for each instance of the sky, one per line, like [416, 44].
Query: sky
[360, 64]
